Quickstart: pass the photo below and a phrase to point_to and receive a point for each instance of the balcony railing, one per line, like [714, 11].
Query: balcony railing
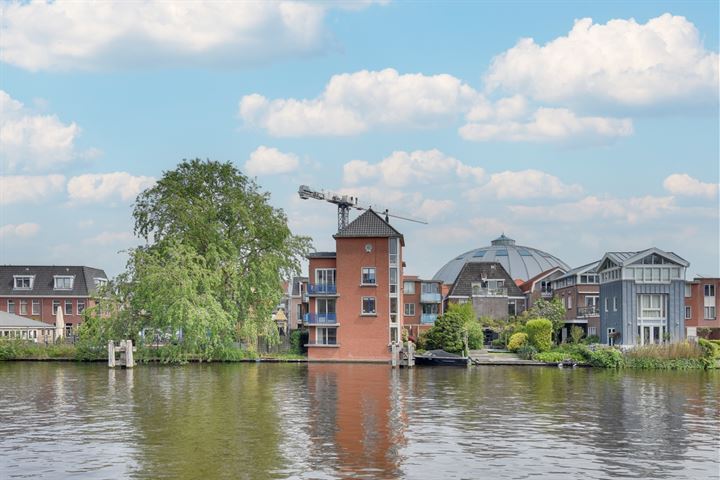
[428, 317]
[430, 298]
[320, 319]
[490, 292]
[591, 311]
[322, 289]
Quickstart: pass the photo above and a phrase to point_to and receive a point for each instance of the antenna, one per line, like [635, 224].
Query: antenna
[344, 204]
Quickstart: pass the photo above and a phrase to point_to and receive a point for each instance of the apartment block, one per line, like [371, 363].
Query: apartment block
[702, 302]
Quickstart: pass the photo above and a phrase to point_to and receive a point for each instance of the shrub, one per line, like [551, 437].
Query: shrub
[591, 339]
[446, 334]
[576, 334]
[475, 333]
[578, 351]
[554, 356]
[539, 333]
[516, 341]
[607, 358]
[667, 351]
[498, 343]
[298, 339]
[527, 352]
[710, 349]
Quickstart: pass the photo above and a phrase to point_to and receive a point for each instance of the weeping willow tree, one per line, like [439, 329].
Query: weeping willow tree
[215, 255]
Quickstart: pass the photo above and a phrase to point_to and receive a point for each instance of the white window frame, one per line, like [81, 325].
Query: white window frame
[324, 270]
[688, 290]
[66, 310]
[322, 337]
[11, 306]
[64, 278]
[569, 302]
[33, 310]
[409, 291]
[610, 339]
[614, 304]
[81, 302]
[362, 275]
[606, 305]
[688, 312]
[643, 310]
[23, 303]
[709, 287]
[362, 306]
[409, 312]
[592, 331]
[29, 278]
[710, 313]
[55, 305]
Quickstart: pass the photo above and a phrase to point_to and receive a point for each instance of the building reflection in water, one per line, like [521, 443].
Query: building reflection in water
[357, 420]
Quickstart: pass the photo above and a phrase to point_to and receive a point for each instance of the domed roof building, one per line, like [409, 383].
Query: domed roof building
[519, 261]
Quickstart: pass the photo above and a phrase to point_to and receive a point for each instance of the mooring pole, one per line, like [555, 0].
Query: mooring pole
[111, 354]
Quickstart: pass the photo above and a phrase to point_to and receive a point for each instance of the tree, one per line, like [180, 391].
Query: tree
[576, 334]
[539, 332]
[215, 257]
[552, 310]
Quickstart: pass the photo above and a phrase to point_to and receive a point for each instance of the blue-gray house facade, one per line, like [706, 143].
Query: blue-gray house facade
[642, 297]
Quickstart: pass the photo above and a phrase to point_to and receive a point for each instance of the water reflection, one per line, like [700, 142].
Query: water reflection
[260, 421]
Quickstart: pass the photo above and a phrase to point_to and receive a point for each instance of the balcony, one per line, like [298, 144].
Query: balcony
[428, 318]
[591, 311]
[322, 289]
[490, 292]
[546, 293]
[430, 298]
[320, 319]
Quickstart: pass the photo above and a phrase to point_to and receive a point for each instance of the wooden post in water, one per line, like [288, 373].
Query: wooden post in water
[129, 360]
[395, 354]
[410, 354]
[111, 354]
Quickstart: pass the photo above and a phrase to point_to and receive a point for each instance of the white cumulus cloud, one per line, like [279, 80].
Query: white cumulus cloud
[684, 184]
[353, 103]
[548, 125]
[402, 168]
[525, 184]
[29, 188]
[97, 187]
[431, 209]
[113, 34]
[35, 142]
[622, 61]
[268, 161]
[21, 230]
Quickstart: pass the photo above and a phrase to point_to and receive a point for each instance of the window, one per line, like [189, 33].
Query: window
[569, 298]
[11, 306]
[393, 310]
[430, 288]
[592, 331]
[614, 304]
[80, 307]
[611, 336]
[652, 306]
[430, 308]
[688, 313]
[23, 282]
[393, 280]
[688, 290]
[55, 306]
[63, 282]
[709, 313]
[325, 276]
[410, 309]
[393, 246]
[368, 305]
[709, 290]
[36, 307]
[606, 305]
[368, 276]
[23, 307]
[326, 336]
[299, 312]
[325, 310]
[68, 307]
[393, 334]
[409, 288]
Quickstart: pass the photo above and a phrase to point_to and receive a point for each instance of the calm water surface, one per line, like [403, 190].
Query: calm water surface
[256, 421]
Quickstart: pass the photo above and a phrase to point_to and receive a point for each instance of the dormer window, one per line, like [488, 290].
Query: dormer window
[24, 282]
[100, 282]
[64, 282]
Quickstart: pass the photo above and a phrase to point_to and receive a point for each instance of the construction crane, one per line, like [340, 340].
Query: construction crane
[344, 204]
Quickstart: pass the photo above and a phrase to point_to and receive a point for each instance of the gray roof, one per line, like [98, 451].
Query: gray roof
[369, 224]
[43, 285]
[587, 268]
[321, 255]
[473, 272]
[519, 261]
[626, 258]
[12, 320]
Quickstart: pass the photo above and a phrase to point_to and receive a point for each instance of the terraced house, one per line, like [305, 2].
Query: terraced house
[642, 297]
[38, 291]
[355, 293]
[579, 292]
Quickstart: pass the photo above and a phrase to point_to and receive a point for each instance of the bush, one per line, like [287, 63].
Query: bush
[591, 339]
[667, 351]
[517, 340]
[498, 343]
[576, 334]
[578, 351]
[539, 333]
[711, 350]
[555, 356]
[450, 329]
[475, 333]
[527, 352]
[298, 340]
[607, 358]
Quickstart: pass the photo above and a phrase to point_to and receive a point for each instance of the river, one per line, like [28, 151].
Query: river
[257, 421]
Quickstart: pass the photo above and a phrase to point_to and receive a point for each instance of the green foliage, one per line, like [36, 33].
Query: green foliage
[578, 351]
[449, 330]
[591, 339]
[517, 340]
[298, 340]
[650, 363]
[475, 334]
[527, 352]
[556, 356]
[607, 358]
[710, 349]
[552, 310]
[498, 343]
[704, 332]
[539, 332]
[18, 349]
[576, 334]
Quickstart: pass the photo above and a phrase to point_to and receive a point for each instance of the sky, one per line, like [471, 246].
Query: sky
[573, 127]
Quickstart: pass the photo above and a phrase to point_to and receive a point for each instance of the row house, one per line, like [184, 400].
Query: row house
[579, 291]
[490, 289]
[422, 304]
[539, 287]
[355, 293]
[642, 297]
[701, 306]
[38, 291]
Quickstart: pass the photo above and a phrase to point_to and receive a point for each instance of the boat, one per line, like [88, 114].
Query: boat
[439, 358]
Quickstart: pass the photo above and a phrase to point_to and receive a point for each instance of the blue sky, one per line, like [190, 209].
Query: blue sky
[593, 136]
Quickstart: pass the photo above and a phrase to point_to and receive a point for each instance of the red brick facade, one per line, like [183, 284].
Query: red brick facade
[23, 306]
[701, 309]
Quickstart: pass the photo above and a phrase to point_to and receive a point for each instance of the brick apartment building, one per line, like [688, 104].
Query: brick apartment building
[539, 287]
[355, 293]
[422, 303]
[702, 302]
[579, 291]
[37, 291]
